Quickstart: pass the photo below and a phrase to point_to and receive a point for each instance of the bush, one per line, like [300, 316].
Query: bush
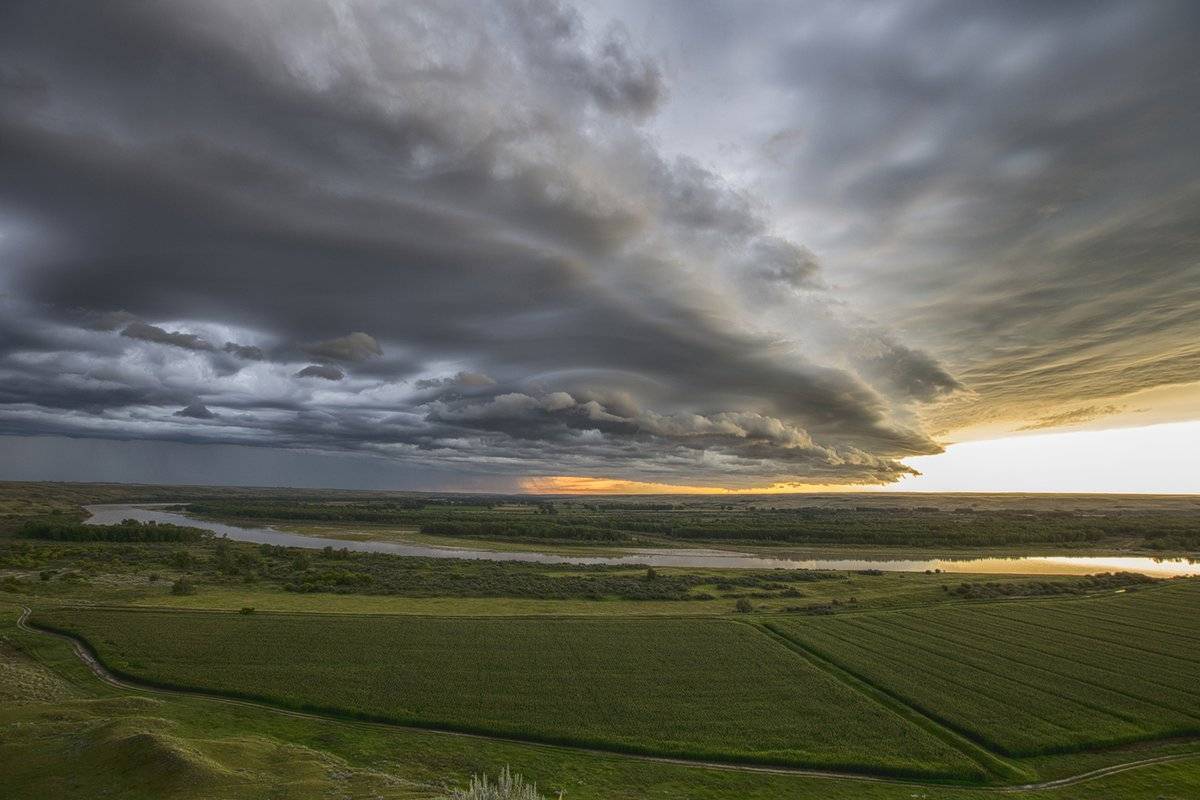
[183, 586]
[247, 610]
[507, 787]
[743, 606]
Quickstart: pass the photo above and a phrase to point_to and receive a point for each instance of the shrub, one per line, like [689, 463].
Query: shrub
[508, 786]
[183, 586]
[743, 606]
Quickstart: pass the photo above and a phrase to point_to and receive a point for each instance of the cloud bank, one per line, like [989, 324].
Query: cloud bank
[474, 239]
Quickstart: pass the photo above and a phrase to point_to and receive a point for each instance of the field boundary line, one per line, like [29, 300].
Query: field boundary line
[990, 762]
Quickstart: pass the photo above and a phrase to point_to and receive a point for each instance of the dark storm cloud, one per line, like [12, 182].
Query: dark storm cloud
[152, 333]
[353, 347]
[1007, 190]
[248, 352]
[463, 379]
[195, 411]
[325, 371]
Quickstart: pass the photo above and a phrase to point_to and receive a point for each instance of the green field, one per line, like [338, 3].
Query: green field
[64, 734]
[1034, 677]
[694, 688]
[899, 685]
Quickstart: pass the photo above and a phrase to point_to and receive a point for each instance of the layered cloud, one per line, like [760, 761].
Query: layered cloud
[475, 238]
[1013, 186]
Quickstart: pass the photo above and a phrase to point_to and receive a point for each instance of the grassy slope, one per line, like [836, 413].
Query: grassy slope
[701, 688]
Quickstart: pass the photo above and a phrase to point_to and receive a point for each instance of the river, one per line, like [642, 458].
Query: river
[107, 514]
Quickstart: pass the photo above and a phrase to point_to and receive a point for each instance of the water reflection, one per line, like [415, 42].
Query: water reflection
[1020, 565]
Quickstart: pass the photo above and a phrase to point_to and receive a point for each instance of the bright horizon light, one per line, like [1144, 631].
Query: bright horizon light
[1158, 459]
[1155, 459]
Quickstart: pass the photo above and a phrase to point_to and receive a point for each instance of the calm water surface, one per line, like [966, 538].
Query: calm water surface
[1048, 565]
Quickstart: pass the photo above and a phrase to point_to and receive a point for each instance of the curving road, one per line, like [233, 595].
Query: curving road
[85, 654]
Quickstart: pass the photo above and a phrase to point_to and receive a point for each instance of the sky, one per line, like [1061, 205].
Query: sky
[602, 246]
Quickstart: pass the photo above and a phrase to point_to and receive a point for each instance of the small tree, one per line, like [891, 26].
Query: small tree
[743, 606]
[651, 574]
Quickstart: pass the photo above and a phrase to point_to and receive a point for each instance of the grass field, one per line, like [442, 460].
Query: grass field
[695, 688]
[65, 734]
[1032, 677]
[907, 686]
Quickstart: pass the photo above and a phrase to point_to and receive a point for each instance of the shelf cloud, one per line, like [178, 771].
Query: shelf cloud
[486, 241]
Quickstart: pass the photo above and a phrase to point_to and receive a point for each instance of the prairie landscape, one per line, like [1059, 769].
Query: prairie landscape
[599, 400]
[377, 674]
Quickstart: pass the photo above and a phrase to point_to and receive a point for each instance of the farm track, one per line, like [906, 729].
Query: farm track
[83, 651]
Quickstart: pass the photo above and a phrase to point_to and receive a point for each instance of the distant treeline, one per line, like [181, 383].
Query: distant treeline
[129, 530]
[623, 522]
[533, 529]
[403, 511]
[314, 512]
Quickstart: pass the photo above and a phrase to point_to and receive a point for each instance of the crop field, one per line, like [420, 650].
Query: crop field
[1032, 677]
[697, 688]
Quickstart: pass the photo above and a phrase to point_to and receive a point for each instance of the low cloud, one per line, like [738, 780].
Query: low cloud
[152, 333]
[325, 371]
[195, 411]
[243, 351]
[464, 379]
[353, 348]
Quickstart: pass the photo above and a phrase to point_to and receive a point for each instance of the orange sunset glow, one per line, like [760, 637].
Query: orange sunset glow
[582, 484]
